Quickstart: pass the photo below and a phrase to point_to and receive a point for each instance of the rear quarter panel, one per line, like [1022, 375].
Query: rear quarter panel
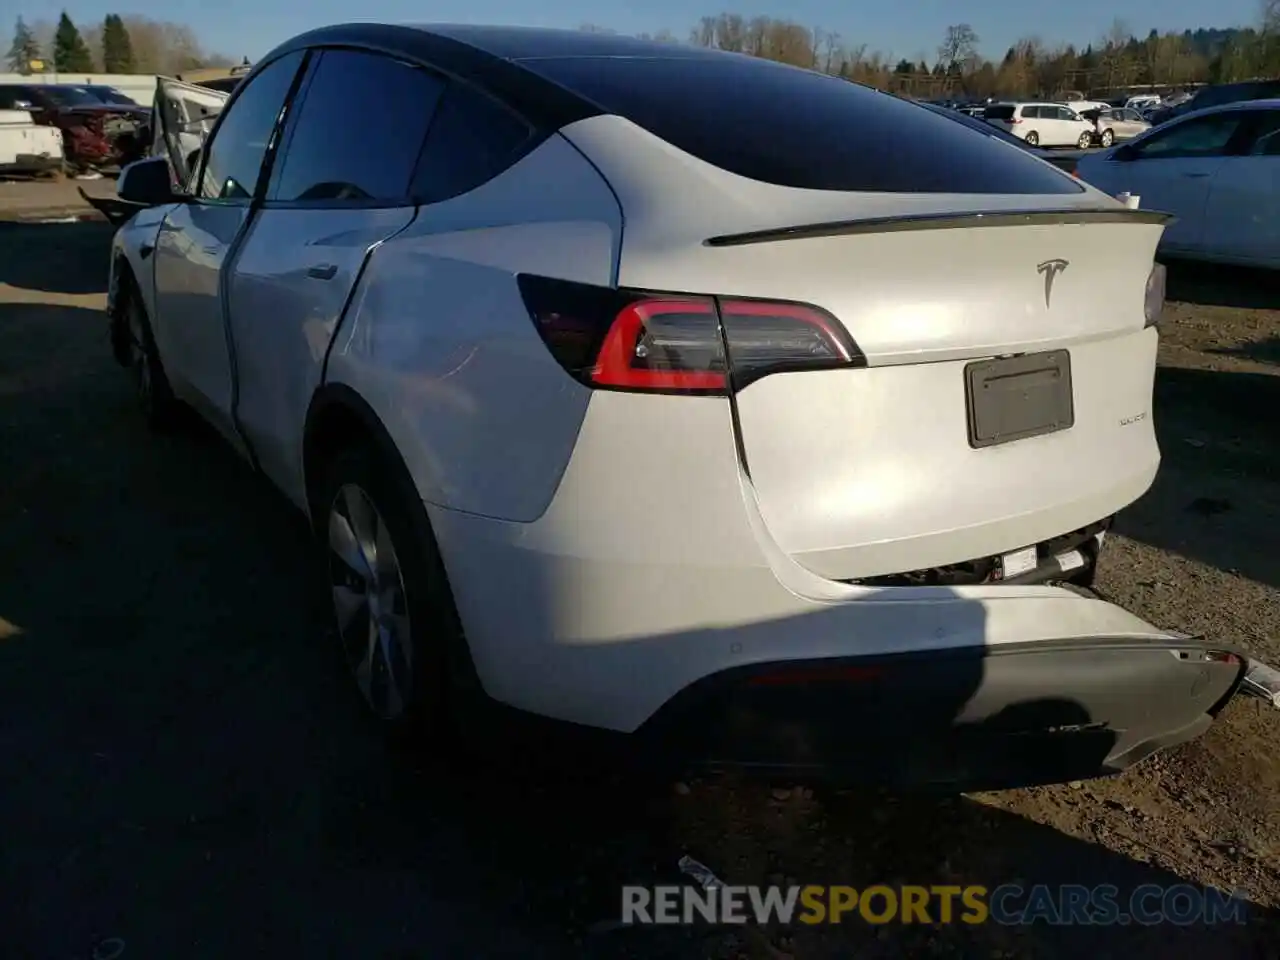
[438, 341]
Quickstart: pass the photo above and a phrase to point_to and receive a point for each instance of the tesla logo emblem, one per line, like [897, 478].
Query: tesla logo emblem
[1051, 269]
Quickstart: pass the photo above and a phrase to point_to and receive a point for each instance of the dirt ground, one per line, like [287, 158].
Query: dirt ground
[183, 774]
[35, 198]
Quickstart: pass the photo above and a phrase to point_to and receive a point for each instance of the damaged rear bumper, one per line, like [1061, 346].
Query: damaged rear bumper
[1006, 717]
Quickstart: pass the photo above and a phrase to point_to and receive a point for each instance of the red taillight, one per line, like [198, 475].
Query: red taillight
[658, 344]
[675, 343]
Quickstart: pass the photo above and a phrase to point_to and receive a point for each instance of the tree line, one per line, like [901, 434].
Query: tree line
[1117, 60]
[120, 44]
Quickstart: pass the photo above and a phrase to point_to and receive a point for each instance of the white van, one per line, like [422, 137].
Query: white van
[27, 147]
[1042, 124]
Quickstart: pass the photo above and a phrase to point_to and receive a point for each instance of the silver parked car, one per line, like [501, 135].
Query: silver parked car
[1120, 123]
[620, 391]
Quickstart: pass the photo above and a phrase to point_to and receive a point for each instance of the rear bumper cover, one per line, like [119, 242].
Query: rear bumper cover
[965, 719]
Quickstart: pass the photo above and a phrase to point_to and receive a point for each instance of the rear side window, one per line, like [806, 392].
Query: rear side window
[796, 128]
[472, 139]
[359, 131]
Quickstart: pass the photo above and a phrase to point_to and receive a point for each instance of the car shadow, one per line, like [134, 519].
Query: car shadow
[1266, 350]
[1215, 285]
[187, 772]
[59, 258]
[1216, 497]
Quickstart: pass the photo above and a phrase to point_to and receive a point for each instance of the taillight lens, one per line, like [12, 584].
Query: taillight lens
[1153, 302]
[676, 343]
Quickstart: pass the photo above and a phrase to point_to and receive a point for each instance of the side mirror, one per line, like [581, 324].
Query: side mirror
[148, 183]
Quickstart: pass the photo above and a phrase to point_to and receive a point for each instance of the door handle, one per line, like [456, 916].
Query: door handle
[323, 271]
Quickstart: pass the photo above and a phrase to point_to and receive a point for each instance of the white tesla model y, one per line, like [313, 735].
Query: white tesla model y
[743, 412]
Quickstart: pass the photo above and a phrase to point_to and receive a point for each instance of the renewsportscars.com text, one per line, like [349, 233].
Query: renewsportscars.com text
[1008, 904]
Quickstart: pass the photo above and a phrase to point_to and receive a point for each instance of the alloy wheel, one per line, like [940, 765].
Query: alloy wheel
[139, 359]
[369, 602]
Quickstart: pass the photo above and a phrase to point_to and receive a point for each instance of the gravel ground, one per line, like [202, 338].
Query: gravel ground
[184, 773]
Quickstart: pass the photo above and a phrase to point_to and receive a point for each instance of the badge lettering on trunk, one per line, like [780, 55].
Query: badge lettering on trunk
[1051, 269]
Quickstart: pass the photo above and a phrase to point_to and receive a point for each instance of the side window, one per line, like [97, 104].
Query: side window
[1202, 137]
[1067, 114]
[473, 139]
[359, 131]
[233, 158]
[1030, 113]
[1265, 135]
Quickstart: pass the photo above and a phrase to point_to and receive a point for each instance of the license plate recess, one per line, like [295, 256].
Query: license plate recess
[1013, 398]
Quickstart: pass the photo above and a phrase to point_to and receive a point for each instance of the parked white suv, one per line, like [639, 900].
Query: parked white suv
[607, 410]
[1042, 124]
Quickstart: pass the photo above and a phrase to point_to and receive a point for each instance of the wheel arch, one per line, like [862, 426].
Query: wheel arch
[339, 417]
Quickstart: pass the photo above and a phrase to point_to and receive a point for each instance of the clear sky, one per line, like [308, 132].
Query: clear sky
[906, 28]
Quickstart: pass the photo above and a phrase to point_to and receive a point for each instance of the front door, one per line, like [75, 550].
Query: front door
[329, 202]
[184, 116]
[200, 236]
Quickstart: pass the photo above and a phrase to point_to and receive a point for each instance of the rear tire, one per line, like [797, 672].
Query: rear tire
[390, 606]
[1108, 137]
[1032, 138]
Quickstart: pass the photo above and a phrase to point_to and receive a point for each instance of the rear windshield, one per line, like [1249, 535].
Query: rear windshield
[999, 112]
[795, 128]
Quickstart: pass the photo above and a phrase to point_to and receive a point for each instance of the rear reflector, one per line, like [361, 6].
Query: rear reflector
[675, 343]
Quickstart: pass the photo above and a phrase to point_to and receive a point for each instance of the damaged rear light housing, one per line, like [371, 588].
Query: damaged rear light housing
[644, 341]
[1153, 299]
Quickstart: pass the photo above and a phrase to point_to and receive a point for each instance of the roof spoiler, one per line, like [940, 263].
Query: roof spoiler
[939, 221]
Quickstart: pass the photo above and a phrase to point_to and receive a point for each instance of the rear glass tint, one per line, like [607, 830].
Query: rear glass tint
[999, 112]
[796, 128]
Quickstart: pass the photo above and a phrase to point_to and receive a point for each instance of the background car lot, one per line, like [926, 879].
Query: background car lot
[183, 770]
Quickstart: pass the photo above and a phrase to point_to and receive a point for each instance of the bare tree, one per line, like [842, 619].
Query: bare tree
[832, 50]
[1114, 55]
[959, 48]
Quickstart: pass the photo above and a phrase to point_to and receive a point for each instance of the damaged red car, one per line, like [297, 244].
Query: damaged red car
[95, 135]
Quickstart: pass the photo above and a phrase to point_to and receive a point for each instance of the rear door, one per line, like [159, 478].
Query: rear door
[342, 185]
[1242, 213]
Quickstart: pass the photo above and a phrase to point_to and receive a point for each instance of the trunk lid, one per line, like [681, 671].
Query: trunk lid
[938, 453]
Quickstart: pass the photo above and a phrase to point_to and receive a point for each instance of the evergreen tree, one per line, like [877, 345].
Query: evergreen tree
[24, 48]
[70, 52]
[117, 49]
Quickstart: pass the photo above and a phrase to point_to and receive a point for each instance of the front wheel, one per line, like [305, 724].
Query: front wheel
[1108, 137]
[1085, 141]
[160, 408]
[1033, 138]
